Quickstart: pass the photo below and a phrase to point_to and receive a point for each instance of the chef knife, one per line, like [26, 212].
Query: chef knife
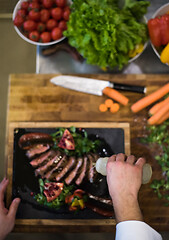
[92, 86]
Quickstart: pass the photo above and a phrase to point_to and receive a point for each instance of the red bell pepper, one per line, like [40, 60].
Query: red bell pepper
[159, 30]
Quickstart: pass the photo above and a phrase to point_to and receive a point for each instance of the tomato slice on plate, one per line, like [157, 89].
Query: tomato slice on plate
[52, 190]
[67, 141]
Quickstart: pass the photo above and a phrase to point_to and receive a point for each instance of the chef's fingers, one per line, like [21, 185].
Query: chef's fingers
[140, 162]
[3, 186]
[14, 207]
[120, 157]
[131, 159]
[112, 158]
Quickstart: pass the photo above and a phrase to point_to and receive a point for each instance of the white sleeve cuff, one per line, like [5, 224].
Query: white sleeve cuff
[136, 230]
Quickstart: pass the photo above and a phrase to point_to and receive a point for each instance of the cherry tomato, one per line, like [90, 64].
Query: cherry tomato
[34, 36]
[47, 3]
[45, 37]
[56, 33]
[21, 12]
[51, 23]
[66, 8]
[66, 14]
[33, 5]
[24, 5]
[61, 3]
[41, 27]
[18, 21]
[62, 25]
[34, 14]
[45, 15]
[29, 25]
[57, 13]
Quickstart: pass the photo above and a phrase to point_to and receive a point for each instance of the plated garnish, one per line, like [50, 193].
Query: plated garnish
[63, 161]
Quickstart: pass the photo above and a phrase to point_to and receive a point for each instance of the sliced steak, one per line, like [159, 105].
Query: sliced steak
[90, 171]
[39, 160]
[73, 173]
[52, 161]
[52, 173]
[37, 149]
[82, 171]
[68, 166]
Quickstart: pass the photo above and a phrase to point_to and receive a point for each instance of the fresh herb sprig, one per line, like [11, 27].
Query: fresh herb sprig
[83, 144]
[160, 135]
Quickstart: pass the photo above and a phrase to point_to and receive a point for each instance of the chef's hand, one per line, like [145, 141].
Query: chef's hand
[124, 177]
[7, 217]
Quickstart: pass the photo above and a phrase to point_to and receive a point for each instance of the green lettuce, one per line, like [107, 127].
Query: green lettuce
[104, 32]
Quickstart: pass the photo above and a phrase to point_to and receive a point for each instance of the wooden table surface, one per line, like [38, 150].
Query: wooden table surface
[32, 98]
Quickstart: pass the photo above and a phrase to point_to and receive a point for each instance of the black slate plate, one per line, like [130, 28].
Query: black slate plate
[25, 182]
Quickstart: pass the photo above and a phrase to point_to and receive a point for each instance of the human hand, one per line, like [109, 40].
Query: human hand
[124, 177]
[7, 217]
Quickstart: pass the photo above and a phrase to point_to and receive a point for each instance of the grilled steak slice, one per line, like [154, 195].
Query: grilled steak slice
[52, 173]
[39, 160]
[73, 173]
[68, 166]
[37, 149]
[52, 161]
[90, 172]
[27, 140]
[82, 172]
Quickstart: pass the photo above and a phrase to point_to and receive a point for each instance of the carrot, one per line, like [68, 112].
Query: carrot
[157, 106]
[103, 107]
[146, 101]
[115, 108]
[163, 118]
[158, 115]
[109, 103]
[114, 94]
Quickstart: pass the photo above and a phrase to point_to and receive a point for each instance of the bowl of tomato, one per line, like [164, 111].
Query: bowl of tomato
[158, 27]
[41, 22]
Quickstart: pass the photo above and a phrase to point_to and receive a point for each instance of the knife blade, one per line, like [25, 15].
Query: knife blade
[92, 86]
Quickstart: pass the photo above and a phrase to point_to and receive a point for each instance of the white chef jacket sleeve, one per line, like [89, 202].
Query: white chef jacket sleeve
[136, 230]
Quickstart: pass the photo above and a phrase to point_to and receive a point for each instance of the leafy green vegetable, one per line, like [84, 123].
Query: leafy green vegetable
[160, 135]
[59, 201]
[83, 144]
[104, 33]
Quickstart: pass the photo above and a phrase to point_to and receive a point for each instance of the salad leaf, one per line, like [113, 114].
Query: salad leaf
[104, 33]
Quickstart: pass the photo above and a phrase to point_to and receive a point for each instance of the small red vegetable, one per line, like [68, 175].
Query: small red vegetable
[56, 33]
[52, 190]
[29, 25]
[159, 30]
[34, 36]
[67, 141]
[45, 37]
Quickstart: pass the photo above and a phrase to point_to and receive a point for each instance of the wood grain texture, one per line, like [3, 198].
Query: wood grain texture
[32, 98]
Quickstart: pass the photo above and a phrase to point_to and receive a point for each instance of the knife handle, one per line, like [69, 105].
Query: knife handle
[130, 88]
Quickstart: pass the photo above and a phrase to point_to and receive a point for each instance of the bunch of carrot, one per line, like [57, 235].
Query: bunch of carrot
[109, 104]
[160, 111]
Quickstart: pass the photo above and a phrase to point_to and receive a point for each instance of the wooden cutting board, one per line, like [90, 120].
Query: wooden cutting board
[32, 98]
[56, 223]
